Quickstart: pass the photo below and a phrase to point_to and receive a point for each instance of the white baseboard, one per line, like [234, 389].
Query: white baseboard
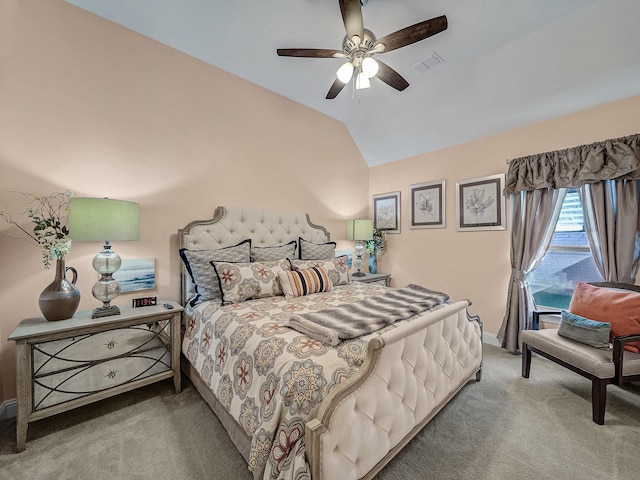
[8, 410]
[491, 339]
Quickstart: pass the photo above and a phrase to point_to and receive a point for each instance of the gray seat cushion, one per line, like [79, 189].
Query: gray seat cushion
[593, 360]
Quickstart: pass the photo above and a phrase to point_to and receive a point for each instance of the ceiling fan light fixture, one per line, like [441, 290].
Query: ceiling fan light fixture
[369, 67]
[345, 72]
[362, 81]
[359, 44]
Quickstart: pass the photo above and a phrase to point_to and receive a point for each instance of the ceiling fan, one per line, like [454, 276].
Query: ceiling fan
[359, 46]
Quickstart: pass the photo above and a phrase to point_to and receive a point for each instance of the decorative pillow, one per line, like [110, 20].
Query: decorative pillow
[269, 254]
[583, 330]
[316, 251]
[203, 275]
[304, 281]
[336, 268]
[240, 282]
[620, 308]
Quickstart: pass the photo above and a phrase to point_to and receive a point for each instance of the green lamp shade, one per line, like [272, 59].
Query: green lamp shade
[360, 229]
[100, 219]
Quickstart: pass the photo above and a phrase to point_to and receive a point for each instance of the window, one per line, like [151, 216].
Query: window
[567, 261]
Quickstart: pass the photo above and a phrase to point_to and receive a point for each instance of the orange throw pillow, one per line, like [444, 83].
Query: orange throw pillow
[620, 308]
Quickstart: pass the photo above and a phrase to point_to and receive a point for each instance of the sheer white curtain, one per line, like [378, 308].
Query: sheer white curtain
[534, 215]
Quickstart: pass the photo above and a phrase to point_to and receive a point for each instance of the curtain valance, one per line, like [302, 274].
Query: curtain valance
[617, 158]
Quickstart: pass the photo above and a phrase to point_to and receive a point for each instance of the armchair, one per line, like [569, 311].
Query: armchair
[601, 366]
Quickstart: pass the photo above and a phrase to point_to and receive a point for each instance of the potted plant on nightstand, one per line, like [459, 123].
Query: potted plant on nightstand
[60, 299]
[375, 248]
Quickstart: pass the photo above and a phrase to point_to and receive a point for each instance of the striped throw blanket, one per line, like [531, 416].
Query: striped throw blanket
[366, 316]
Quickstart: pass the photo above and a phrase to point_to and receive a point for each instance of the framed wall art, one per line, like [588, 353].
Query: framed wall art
[346, 253]
[386, 212]
[136, 274]
[480, 204]
[427, 205]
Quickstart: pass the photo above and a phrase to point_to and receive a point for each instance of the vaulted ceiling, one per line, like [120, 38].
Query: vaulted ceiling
[500, 64]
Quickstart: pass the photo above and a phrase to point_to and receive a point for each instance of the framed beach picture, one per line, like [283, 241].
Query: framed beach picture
[480, 204]
[386, 212]
[427, 205]
[136, 274]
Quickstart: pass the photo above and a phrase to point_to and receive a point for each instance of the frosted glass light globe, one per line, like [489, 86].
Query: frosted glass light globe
[345, 72]
[369, 67]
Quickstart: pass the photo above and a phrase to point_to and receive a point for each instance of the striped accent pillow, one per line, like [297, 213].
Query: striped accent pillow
[304, 281]
[336, 268]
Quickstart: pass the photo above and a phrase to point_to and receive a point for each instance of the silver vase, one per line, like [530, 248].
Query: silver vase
[61, 298]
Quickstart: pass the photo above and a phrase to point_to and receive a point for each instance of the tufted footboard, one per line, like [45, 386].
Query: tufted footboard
[411, 372]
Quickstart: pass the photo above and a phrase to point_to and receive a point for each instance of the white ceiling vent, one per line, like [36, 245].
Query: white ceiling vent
[428, 63]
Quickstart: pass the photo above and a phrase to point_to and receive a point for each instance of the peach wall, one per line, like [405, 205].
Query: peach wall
[88, 106]
[476, 265]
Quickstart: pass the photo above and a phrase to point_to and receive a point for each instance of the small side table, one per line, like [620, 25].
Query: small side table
[69, 363]
[383, 279]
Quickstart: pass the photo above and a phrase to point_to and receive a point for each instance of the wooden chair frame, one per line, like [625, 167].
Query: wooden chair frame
[598, 385]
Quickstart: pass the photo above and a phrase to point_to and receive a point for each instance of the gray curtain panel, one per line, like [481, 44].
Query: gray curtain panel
[571, 168]
[612, 219]
[534, 215]
[607, 174]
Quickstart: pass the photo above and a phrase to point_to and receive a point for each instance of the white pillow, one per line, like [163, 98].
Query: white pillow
[243, 281]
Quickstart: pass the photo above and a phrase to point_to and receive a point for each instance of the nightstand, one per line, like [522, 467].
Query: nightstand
[69, 363]
[380, 278]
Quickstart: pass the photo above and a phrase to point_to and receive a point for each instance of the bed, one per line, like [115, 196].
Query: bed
[294, 406]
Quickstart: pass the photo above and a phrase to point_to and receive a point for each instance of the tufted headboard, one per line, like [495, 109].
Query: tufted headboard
[231, 225]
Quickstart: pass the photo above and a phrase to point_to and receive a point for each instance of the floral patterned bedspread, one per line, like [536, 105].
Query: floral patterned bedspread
[271, 378]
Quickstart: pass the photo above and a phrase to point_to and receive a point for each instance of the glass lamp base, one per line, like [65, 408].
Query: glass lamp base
[106, 263]
[358, 262]
[105, 311]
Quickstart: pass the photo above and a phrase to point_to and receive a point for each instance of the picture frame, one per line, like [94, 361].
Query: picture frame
[480, 204]
[386, 212]
[346, 253]
[136, 274]
[427, 205]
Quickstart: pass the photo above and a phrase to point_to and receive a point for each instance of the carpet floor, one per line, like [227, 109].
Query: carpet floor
[502, 427]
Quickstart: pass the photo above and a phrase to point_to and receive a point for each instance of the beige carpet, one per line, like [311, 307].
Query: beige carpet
[503, 427]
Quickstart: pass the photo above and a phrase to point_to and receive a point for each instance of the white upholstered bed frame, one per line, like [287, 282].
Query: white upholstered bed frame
[410, 374]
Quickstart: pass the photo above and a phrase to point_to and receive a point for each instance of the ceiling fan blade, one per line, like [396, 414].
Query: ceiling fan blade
[335, 89]
[413, 34]
[309, 52]
[352, 18]
[389, 76]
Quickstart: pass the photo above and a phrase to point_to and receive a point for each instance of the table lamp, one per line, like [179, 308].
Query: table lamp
[106, 220]
[359, 230]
